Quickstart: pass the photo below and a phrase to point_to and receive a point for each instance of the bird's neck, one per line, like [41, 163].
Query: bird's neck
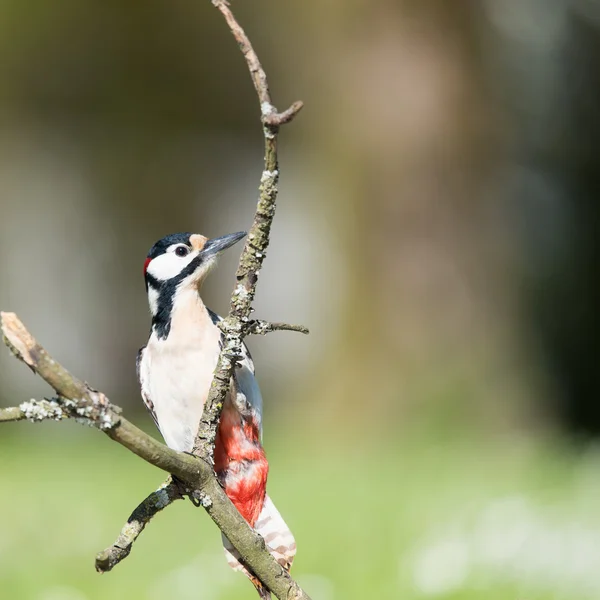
[177, 315]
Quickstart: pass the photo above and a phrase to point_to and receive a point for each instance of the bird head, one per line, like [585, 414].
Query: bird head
[181, 261]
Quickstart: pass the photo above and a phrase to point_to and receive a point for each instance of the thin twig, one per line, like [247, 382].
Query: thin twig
[166, 494]
[276, 119]
[23, 346]
[77, 400]
[258, 327]
[255, 247]
[35, 411]
[235, 327]
[259, 78]
[14, 413]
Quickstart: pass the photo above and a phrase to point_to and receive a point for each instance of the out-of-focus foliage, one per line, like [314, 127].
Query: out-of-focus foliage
[436, 231]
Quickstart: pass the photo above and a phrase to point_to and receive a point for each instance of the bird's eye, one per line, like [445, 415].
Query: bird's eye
[182, 251]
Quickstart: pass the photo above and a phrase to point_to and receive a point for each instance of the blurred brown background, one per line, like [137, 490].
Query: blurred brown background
[437, 223]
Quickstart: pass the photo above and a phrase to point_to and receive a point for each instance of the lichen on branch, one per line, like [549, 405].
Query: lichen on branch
[235, 327]
[193, 475]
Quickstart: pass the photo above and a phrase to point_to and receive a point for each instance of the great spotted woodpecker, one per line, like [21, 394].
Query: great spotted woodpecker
[175, 370]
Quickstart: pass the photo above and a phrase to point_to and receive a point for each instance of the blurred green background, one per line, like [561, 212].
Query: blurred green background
[436, 434]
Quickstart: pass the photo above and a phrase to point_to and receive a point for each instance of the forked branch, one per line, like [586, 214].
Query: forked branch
[166, 494]
[195, 475]
[254, 252]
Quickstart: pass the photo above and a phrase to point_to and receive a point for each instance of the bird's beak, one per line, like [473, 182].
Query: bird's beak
[217, 245]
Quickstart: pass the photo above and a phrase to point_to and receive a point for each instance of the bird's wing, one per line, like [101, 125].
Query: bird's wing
[145, 396]
[248, 398]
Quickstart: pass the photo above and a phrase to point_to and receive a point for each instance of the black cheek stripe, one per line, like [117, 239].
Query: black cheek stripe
[161, 321]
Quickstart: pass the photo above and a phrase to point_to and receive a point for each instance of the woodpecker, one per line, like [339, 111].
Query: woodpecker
[175, 369]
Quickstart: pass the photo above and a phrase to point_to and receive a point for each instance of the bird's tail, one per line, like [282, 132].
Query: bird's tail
[278, 537]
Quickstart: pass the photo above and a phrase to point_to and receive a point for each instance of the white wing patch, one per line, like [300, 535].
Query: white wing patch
[248, 397]
[143, 387]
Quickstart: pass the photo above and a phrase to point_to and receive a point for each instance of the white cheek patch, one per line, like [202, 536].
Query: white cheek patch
[168, 265]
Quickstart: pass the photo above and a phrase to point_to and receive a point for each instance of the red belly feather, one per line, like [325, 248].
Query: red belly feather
[241, 463]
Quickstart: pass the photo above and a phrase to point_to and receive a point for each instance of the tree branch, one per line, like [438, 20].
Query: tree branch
[166, 494]
[259, 78]
[257, 327]
[34, 410]
[79, 401]
[13, 413]
[255, 247]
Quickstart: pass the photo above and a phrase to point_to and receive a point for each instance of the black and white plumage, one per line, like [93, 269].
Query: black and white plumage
[175, 369]
[176, 366]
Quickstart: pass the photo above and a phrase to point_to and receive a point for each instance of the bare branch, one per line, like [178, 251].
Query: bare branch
[259, 78]
[166, 494]
[235, 326]
[249, 544]
[78, 401]
[14, 413]
[255, 247]
[257, 327]
[275, 119]
[25, 348]
[271, 117]
[34, 410]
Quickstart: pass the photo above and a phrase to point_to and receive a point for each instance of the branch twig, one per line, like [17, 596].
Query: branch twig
[257, 327]
[77, 400]
[34, 410]
[14, 413]
[166, 494]
[259, 78]
[255, 247]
